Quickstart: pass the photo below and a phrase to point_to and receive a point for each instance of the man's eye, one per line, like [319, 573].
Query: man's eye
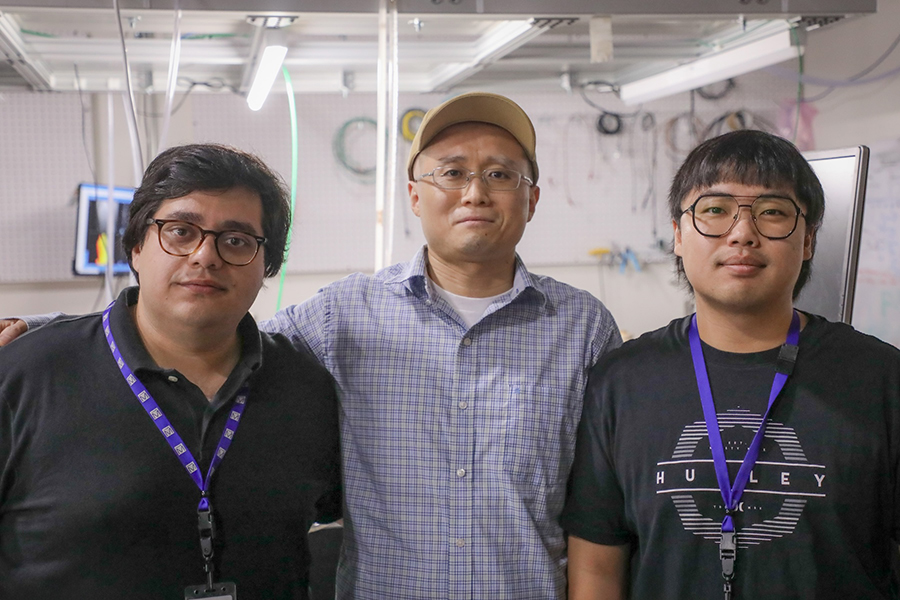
[451, 174]
[499, 174]
[179, 231]
[236, 240]
[713, 210]
[774, 209]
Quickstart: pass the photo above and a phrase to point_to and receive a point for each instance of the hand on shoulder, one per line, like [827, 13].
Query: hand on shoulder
[10, 329]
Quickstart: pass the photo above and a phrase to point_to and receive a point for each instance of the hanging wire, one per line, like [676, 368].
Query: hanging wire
[694, 126]
[741, 118]
[172, 78]
[704, 92]
[132, 111]
[292, 108]
[216, 83]
[611, 88]
[648, 126]
[90, 163]
[796, 38]
[855, 79]
[87, 154]
[339, 147]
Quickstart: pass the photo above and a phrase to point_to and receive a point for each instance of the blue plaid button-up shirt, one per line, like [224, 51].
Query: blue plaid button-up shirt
[457, 442]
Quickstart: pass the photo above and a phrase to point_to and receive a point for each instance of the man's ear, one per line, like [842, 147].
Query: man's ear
[534, 194]
[809, 244]
[413, 197]
[136, 258]
[676, 230]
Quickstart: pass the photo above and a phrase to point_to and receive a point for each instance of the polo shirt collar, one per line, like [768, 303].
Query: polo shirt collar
[128, 340]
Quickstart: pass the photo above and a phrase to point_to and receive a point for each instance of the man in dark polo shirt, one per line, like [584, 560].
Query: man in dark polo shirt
[114, 477]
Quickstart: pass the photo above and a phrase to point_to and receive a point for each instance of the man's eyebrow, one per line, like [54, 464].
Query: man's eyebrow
[196, 218]
[499, 160]
[184, 215]
[239, 226]
[503, 160]
[451, 159]
[772, 193]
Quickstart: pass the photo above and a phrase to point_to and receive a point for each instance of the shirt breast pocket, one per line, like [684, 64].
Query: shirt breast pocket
[540, 429]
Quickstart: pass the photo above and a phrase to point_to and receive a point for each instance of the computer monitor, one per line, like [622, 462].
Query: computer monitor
[831, 288]
[91, 248]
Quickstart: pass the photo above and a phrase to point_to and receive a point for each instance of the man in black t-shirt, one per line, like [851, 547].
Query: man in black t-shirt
[114, 477]
[751, 451]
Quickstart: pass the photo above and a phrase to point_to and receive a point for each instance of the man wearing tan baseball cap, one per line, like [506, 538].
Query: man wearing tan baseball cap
[461, 376]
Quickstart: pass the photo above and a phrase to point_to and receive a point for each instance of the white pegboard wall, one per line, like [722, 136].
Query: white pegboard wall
[594, 187]
[334, 225]
[596, 190]
[42, 161]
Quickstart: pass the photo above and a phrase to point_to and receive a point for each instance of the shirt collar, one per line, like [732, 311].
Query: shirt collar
[414, 276]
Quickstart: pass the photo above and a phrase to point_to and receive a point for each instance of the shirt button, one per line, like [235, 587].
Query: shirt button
[463, 405]
[467, 341]
[173, 379]
[460, 543]
[460, 472]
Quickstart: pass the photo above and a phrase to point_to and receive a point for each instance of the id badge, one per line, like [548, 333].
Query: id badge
[224, 590]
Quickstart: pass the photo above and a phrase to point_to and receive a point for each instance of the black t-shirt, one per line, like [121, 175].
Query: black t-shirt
[94, 503]
[819, 518]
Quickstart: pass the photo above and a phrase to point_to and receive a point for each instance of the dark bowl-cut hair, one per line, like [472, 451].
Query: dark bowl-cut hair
[181, 170]
[750, 157]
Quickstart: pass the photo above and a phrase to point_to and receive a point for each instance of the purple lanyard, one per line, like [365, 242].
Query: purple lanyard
[204, 508]
[731, 494]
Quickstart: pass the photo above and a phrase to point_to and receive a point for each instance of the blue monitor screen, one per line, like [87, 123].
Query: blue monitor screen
[91, 248]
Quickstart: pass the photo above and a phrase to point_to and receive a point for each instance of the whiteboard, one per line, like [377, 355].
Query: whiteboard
[876, 309]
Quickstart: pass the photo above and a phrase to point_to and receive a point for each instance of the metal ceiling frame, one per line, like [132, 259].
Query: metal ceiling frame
[464, 43]
[536, 8]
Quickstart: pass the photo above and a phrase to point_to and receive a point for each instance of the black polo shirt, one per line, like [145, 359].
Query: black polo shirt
[94, 503]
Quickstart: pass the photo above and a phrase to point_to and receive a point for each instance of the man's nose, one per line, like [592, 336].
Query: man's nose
[742, 228]
[476, 191]
[207, 252]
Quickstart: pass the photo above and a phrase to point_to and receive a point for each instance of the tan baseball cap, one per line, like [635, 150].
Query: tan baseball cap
[481, 107]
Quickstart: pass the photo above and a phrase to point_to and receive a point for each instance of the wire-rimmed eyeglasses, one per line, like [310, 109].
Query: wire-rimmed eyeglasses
[180, 238]
[496, 179]
[775, 217]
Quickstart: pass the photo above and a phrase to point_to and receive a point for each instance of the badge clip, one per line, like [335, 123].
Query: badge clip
[224, 590]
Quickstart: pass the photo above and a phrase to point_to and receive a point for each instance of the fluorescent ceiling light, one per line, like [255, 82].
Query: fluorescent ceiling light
[718, 66]
[269, 64]
[499, 41]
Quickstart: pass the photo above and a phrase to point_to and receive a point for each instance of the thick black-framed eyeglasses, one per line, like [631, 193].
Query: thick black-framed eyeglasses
[180, 238]
[775, 217]
[496, 179]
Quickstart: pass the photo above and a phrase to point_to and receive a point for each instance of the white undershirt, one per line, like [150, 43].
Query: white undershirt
[470, 309]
